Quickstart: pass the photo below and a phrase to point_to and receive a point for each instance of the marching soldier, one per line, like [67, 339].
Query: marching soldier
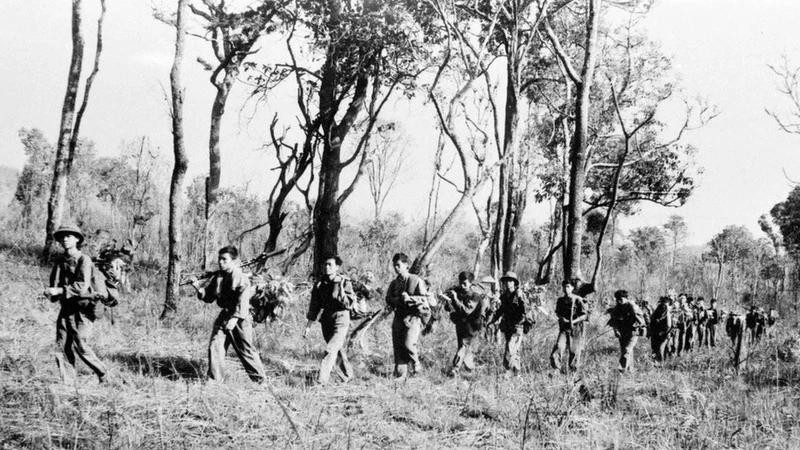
[70, 285]
[755, 322]
[231, 289]
[701, 321]
[331, 299]
[467, 309]
[626, 319]
[408, 296]
[660, 328]
[714, 318]
[571, 314]
[735, 328]
[690, 321]
[516, 319]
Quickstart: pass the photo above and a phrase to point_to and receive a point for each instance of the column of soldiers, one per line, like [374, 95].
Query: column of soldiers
[677, 325]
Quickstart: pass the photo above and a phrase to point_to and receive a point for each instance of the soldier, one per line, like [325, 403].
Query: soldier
[714, 318]
[331, 299]
[626, 320]
[678, 325]
[647, 313]
[701, 321]
[735, 328]
[690, 320]
[467, 309]
[70, 285]
[408, 296]
[516, 319]
[571, 314]
[231, 289]
[660, 328]
[756, 321]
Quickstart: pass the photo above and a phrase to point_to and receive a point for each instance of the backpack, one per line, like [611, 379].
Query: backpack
[104, 286]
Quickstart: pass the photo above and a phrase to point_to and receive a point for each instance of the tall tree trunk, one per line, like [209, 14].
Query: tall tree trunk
[58, 187]
[178, 170]
[327, 215]
[214, 154]
[578, 148]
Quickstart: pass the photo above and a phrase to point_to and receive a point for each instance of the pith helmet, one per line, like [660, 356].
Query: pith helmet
[510, 275]
[68, 229]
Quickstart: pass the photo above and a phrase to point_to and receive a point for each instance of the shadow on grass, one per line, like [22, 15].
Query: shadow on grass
[170, 367]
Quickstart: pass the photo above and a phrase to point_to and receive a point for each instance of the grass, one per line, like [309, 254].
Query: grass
[696, 401]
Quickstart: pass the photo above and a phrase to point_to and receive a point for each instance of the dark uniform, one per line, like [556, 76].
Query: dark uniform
[714, 318]
[330, 305]
[232, 292]
[701, 321]
[515, 315]
[407, 323]
[756, 322]
[570, 336]
[73, 274]
[660, 329]
[735, 328]
[468, 309]
[626, 320]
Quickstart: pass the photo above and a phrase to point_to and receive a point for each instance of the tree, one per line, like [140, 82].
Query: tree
[648, 246]
[678, 230]
[385, 165]
[70, 123]
[178, 169]
[734, 244]
[578, 156]
[370, 48]
[32, 185]
[788, 85]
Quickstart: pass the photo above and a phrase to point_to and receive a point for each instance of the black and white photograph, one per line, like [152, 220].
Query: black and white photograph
[400, 224]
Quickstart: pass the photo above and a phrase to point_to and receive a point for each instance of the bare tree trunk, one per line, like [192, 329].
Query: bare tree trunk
[58, 188]
[178, 170]
[578, 148]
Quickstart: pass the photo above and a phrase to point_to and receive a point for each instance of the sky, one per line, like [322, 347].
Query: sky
[719, 48]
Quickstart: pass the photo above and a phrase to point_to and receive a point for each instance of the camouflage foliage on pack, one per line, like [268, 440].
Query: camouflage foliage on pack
[271, 296]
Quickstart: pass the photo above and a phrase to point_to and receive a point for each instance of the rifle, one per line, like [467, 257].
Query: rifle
[208, 274]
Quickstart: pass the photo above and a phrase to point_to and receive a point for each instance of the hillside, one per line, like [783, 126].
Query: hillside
[696, 401]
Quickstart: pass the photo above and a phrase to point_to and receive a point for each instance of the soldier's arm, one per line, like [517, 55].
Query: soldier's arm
[582, 316]
[79, 288]
[314, 304]
[243, 291]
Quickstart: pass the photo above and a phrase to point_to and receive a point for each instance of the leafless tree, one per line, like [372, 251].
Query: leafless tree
[385, 164]
[70, 123]
[179, 169]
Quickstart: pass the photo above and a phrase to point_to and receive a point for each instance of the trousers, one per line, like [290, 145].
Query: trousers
[570, 340]
[73, 330]
[241, 338]
[406, 330]
[334, 330]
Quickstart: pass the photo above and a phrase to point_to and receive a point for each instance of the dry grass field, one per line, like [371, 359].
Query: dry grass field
[163, 400]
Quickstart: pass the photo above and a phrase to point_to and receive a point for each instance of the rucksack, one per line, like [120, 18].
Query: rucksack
[104, 286]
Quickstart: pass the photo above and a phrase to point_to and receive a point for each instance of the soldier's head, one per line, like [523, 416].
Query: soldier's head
[69, 236]
[701, 301]
[682, 298]
[509, 281]
[400, 264]
[621, 296]
[569, 285]
[332, 265]
[227, 257]
[465, 279]
[664, 299]
[672, 295]
[690, 300]
[713, 302]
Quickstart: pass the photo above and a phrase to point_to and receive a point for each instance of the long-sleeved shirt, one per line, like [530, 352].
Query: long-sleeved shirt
[515, 310]
[329, 296]
[232, 292]
[467, 307]
[412, 285]
[626, 317]
[569, 308]
[74, 275]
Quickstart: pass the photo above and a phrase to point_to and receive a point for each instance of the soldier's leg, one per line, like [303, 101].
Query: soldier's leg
[712, 335]
[513, 345]
[340, 334]
[65, 357]
[575, 348]
[80, 342]
[216, 350]
[627, 345]
[662, 342]
[413, 332]
[468, 342]
[398, 339]
[458, 359]
[241, 337]
[558, 350]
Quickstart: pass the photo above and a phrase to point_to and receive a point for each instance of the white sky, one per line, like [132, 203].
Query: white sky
[720, 48]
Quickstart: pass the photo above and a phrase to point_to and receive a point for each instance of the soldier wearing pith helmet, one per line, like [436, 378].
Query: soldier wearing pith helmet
[70, 286]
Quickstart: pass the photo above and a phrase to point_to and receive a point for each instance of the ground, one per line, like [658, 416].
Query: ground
[164, 401]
